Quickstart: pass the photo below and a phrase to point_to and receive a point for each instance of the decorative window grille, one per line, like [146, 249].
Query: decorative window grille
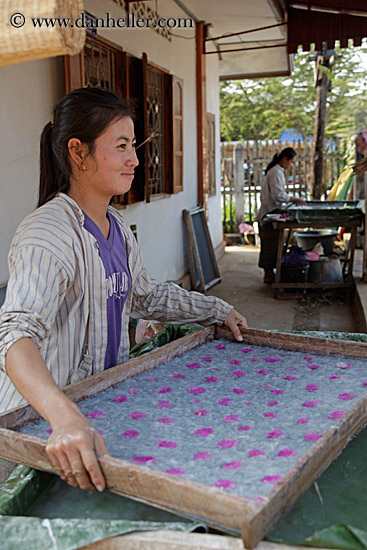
[155, 106]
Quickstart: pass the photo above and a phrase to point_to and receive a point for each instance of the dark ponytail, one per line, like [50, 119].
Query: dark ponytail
[288, 153]
[83, 113]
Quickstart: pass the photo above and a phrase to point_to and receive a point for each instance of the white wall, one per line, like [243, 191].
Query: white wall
[27, 93]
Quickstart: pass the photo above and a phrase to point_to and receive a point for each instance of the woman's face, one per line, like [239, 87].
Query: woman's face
[110, 169]
[287, 163]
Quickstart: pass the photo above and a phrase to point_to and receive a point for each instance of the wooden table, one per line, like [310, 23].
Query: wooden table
[285, 231]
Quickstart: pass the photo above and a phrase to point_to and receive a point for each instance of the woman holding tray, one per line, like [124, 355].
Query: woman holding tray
[273, 194]
[76, 275]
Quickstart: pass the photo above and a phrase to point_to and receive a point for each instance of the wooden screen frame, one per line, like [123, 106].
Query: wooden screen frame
[196, 262]
[250, 519]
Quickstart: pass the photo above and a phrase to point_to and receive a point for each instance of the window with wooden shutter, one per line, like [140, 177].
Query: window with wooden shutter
[177, 121]
[158, 102]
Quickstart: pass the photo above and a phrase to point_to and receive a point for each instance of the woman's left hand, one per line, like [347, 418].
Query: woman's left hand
[233, 321]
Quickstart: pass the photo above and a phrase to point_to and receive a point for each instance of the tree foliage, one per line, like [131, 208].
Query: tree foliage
[262, 109]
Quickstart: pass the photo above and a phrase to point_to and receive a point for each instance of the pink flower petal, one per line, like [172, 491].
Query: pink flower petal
[364, 383]
[231, 418]
[175, 471]
[167, 444]
[272, 359]
[277, 392]
[334, 377]
[195, 391]
[243, 428]
[270, 415]
[164, 389]
[164, 404]
[256, 452]
[289, 377]
[274, 434]
[308, 358]
[271, 479]
[137, 414]
[336, 414]
[303, 420]
[214, 369]
[311, 404]
[220, 346]
[287, 452]
[167, 420]
[343, 365]
[130, 434]
[292, 368]
[151, 379]
[121, 398]
[254, 359]
[177, 375]
[95, 414]
[193, 366]
[247, 403]
[228, 443]
[201, 412]
[232, 465]
[204, 432]
[313, 367]
[202, 456]
[212, 379]
[263, 371]
[49, 431]
[247, 350]
[238, 391]
[133, 390]
[207, 358]
[312, 387]
[235, 361]
[238, 373]
[266, 385]
[143, 459]
[312, 436]
[224, 401]
[224, 484]
[272, 403]
[347, 396]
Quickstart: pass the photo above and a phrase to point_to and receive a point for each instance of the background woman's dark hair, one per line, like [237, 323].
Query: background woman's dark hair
[288, 153]
[83, 113]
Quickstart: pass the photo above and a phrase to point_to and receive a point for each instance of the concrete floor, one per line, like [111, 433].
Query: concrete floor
[242, 286]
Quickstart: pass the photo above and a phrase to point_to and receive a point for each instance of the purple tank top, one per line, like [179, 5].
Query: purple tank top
[112, 252]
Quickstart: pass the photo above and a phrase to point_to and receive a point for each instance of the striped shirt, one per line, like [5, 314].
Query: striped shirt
[56, 296]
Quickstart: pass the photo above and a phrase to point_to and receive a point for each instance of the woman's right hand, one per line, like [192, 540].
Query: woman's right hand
[74, 443]
[72, 448]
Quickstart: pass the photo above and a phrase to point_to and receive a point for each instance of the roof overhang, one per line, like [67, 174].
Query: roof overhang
[318, 21]
[248, 36]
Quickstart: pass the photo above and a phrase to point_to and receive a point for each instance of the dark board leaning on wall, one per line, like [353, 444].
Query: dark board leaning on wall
[204, 270]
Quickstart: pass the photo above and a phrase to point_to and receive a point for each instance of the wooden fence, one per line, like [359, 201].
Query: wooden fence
[243, 167]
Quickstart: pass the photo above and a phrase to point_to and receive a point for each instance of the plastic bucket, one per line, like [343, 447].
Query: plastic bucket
[326, 270]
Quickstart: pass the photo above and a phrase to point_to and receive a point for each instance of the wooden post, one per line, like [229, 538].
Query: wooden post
[319, 140]
[323, 60]
[201, 115]
[238, 173]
